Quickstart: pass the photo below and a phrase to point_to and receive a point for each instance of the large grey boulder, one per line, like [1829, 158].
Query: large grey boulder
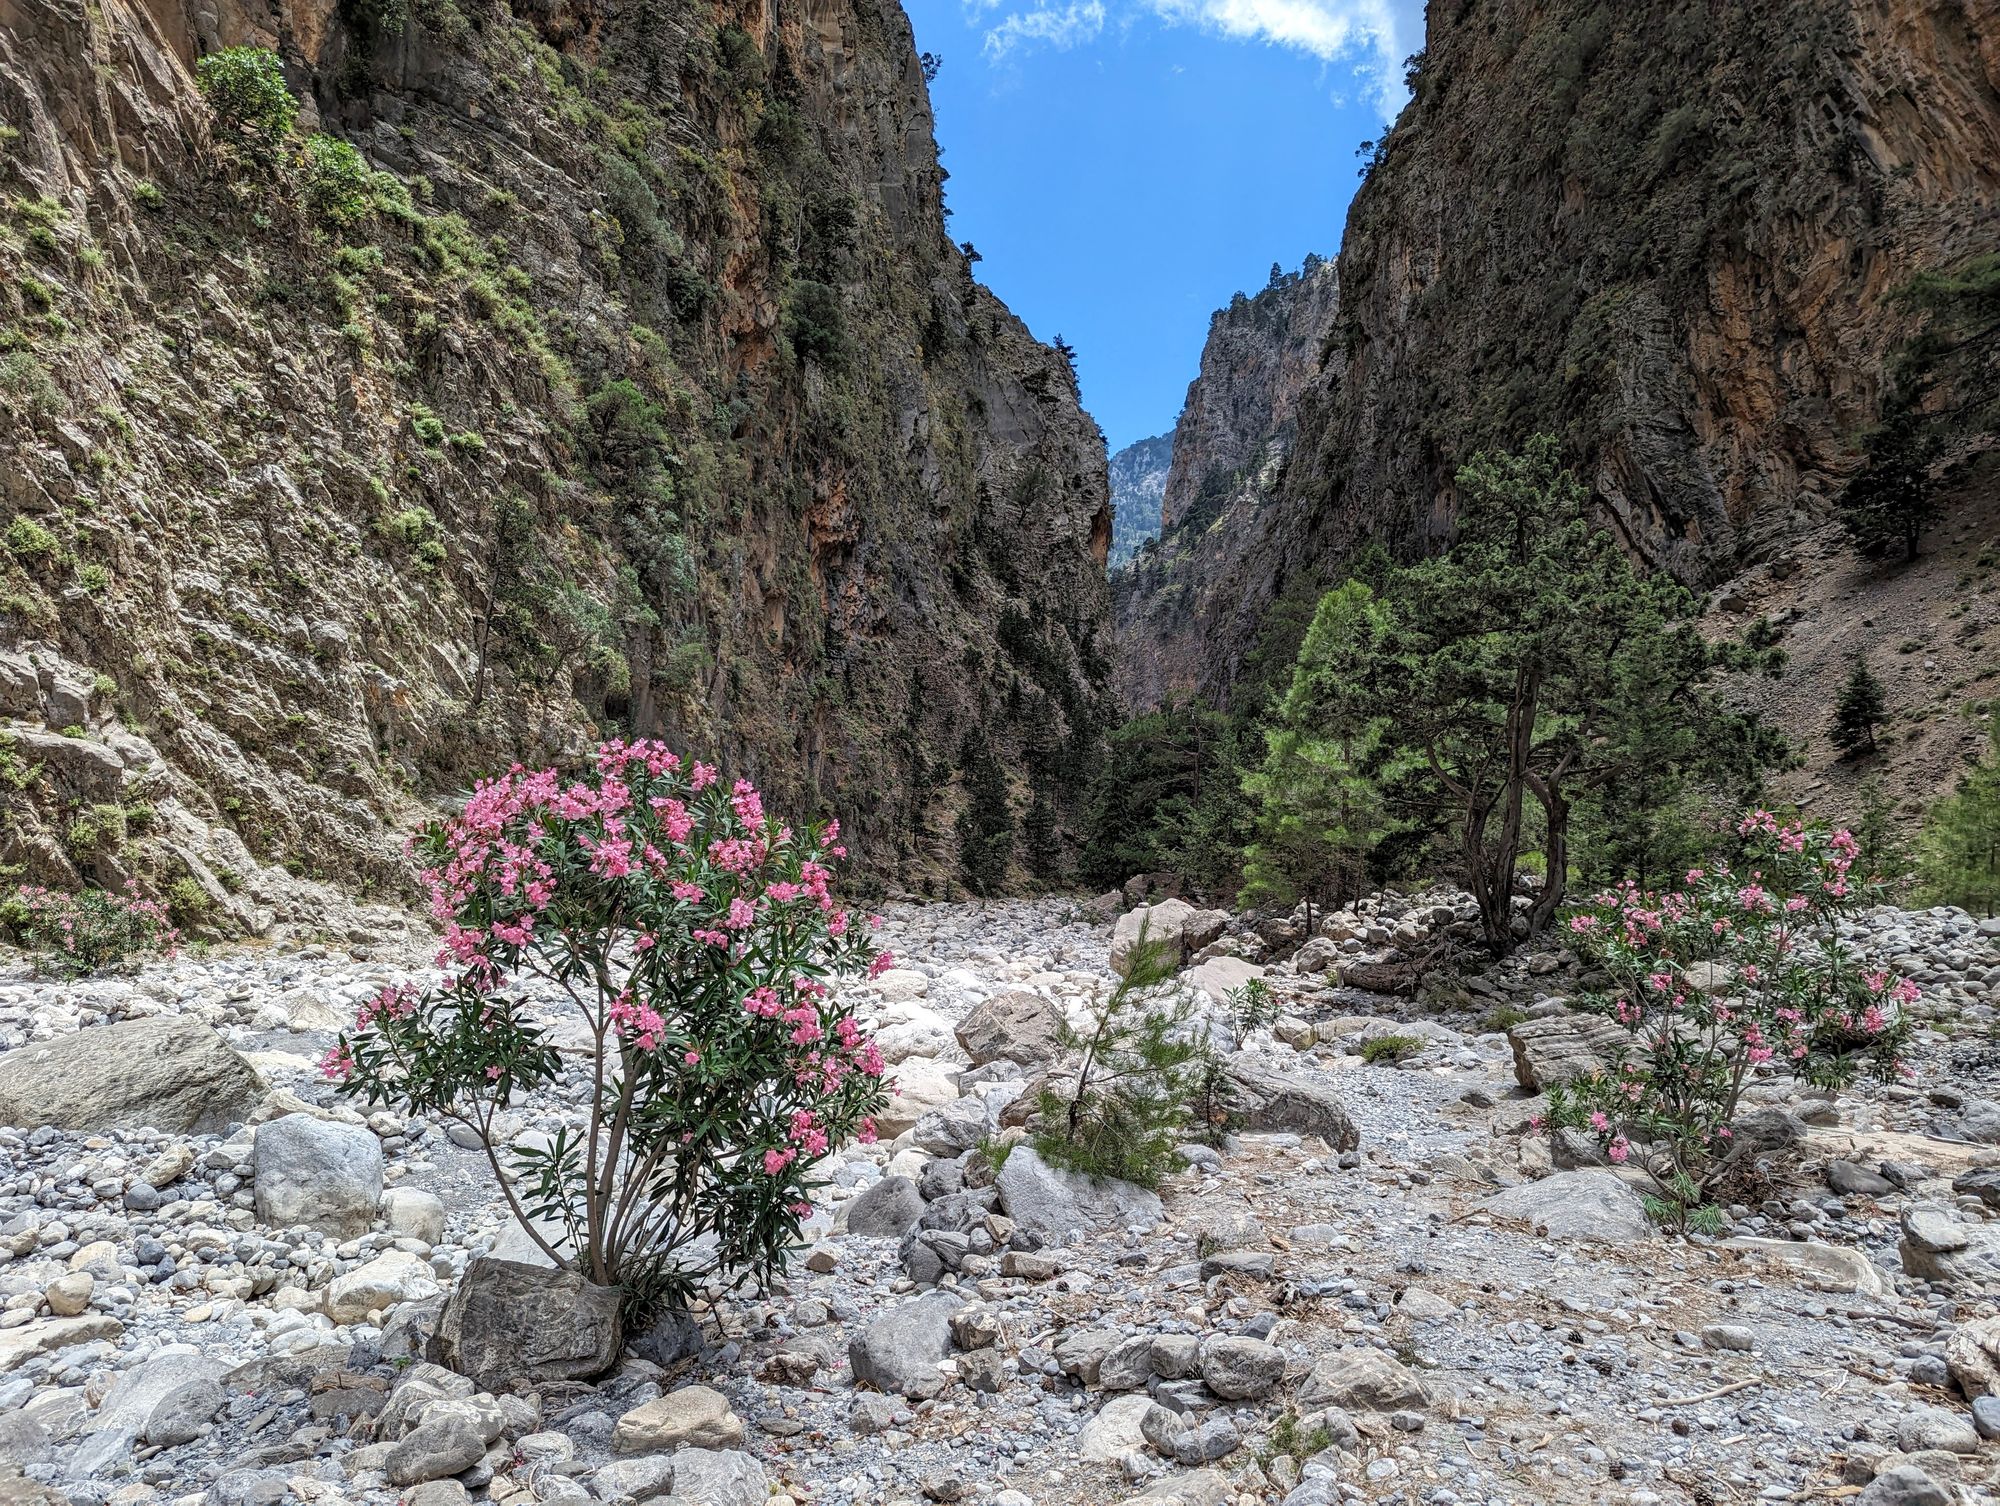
[1014, 1026]
[1361, 1379]
[171, 1073]
[161, 1402]
[1938, 1246]
[719, 1477]
[377, 1285]
[319, 1173]
[440, 1445]
[508, 1323]
[1906, 1485]
[1221, 976]
[1972, 1355]
[1164, 924]
[900, 1349]
[889, 1209]
[954, 1127]
[1279, 1102]
[1834, 1268]
[1060, 1205]
[1242, 1369]
[1980, 1121]
[1576, 1205]
[691, 1417]
[1558, 1049]
[414, 1214]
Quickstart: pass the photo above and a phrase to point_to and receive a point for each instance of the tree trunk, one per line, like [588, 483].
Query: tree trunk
[1497, 899]
[1556, 883]
[1492, 908]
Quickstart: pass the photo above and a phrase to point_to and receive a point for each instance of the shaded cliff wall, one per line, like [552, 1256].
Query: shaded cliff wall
[647, 394]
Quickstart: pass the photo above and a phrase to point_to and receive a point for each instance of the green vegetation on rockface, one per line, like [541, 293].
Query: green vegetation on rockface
[427, 447]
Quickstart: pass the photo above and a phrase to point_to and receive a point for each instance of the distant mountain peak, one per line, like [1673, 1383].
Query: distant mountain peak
[1138, 483]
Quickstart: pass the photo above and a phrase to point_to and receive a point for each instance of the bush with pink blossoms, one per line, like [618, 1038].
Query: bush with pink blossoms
[73, 935]
[695, 940]
[1735, 974]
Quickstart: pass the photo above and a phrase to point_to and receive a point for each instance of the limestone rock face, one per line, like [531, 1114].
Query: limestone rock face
[1138, 482]
[171, 1073]
[1177, 630]
[792, 482]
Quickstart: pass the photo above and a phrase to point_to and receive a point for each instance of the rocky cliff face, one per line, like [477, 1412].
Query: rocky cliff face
[635, 386]
[1138, 481]
[1670, 232]
[1178, 625]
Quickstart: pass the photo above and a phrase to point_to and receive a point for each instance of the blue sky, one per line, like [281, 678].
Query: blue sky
[1124, 166]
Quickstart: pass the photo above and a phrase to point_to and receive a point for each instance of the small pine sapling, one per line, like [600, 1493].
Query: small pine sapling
[1138, 1065]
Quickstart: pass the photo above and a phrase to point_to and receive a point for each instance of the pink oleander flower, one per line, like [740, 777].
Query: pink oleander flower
[646, 891]
[1795, 995]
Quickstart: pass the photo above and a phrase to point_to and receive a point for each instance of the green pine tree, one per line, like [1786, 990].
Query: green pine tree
[1530, 670]
[1884, 853]
[1139, 1072]
[1958, 854]
[1943, 407]
[1859, 710]
[986, 826]
[1319, 810]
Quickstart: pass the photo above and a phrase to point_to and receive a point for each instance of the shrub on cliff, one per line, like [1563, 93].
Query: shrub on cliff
[334, 181]
[691, 940]
[246, 93]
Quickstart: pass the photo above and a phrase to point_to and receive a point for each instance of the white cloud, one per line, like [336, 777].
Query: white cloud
[1067, 26]
[1373, 36]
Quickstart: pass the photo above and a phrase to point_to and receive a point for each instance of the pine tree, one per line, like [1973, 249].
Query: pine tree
[1884, 854]
[1958, 854]
[1530, 669]
[1135, 1072]
[1319, 812]
[1860, 709]
[986, 827]
[1943, 406]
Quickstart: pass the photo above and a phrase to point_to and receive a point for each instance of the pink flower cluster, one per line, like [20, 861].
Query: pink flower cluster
[1726, 978]
[89, 929]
